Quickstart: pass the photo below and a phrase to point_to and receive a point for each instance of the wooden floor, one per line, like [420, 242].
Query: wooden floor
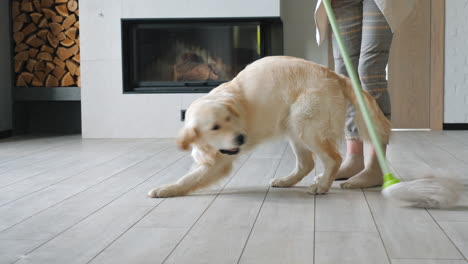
[66, 200]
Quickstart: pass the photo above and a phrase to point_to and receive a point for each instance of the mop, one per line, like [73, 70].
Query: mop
[428, 192]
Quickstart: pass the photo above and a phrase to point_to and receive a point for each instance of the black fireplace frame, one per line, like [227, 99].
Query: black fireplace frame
[271, 28]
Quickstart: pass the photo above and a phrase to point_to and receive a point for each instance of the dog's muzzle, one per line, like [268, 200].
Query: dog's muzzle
[233, 151]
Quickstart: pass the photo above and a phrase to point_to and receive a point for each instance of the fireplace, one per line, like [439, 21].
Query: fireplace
[193, 55]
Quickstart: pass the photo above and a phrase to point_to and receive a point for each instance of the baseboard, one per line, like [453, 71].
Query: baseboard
[456, 126]
[6, 133]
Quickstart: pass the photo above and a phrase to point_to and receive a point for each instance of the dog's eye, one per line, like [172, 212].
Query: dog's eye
[228, 119]
[216, 127]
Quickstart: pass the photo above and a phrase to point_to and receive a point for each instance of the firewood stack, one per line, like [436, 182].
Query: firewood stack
[47, 42]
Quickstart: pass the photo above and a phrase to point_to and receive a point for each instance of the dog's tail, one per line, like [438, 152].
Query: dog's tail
[383, 125]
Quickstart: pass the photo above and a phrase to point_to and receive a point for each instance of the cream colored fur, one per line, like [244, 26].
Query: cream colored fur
[273, 97]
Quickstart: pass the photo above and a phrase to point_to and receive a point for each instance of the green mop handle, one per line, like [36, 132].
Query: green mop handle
[388, 177]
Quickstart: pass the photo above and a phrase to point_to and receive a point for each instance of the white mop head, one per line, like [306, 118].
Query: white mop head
[428, 192]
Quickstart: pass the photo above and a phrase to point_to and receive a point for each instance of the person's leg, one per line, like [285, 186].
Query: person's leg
[375, 48]
[349, 16]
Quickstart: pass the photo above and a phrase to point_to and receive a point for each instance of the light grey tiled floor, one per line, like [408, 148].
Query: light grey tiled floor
[68, 200]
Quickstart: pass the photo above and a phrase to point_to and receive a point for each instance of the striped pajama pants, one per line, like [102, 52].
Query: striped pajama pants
[368, 38]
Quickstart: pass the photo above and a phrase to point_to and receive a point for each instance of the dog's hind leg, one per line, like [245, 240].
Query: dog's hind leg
[317, 118]
[331, 158]
[304, 165]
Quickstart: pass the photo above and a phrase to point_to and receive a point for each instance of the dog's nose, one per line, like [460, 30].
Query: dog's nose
[240, 139]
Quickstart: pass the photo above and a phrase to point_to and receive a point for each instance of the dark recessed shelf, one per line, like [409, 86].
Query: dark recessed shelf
[47, 93]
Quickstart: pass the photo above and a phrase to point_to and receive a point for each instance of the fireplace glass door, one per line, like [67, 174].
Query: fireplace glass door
[192, 56]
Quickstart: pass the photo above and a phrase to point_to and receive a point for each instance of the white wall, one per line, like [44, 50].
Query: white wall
[5, 66]
[456, 62]
[299, 31]
[107, 113]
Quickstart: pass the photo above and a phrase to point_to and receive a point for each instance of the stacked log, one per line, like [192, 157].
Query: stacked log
[47, 42]
[192, 67]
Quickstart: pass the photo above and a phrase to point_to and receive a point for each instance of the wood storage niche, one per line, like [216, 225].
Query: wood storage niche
[46, 43]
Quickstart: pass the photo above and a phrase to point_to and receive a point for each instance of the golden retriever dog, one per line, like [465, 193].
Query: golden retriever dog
[273, 97]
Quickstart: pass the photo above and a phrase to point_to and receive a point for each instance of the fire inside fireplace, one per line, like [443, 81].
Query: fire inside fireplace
[193, 55]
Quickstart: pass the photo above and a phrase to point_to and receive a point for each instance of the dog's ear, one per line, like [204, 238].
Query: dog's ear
[232, 108]
[186, 137]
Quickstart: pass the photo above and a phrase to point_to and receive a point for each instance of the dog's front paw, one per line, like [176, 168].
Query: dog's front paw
[316, 189]
[169, 190]
[280, 183]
